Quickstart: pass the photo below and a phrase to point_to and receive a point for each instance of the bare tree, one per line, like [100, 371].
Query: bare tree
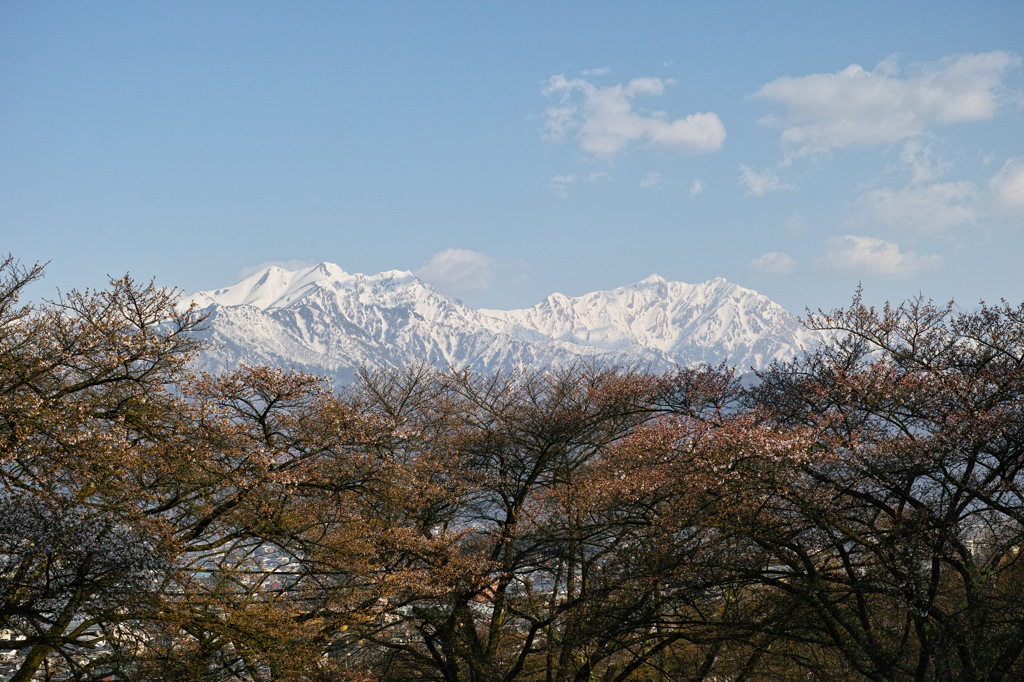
[897, 526]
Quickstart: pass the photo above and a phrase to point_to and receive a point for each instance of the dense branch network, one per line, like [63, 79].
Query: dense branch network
[856, 513]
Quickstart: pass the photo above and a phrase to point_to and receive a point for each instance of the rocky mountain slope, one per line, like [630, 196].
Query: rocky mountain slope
[322, 319]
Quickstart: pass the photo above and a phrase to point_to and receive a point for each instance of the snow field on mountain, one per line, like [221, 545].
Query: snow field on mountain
[324, 320]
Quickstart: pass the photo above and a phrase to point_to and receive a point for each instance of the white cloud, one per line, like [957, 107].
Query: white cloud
[457, 272]
[917, 157]
[856, 107]
[560, 121]
[652, 179]
[697, 187]
[602, 119]
[761, 183]
[772, 263]
[1007, 187]
[927, 209]
[294, 264]
[795, 224]
[871, 256]
[560, 185]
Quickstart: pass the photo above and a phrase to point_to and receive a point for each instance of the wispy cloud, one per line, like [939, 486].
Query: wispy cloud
[560, 183]
[760, 183]
[921, 209]
[1007, 187]
[871, 256]
[917, 157]
[857, 107]
[795, 224]
[652, 179]
[458, 272]
[697, 187]
[604, 123]
[772, 263]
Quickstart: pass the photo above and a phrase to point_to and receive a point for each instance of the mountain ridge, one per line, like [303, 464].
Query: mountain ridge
[325, 320]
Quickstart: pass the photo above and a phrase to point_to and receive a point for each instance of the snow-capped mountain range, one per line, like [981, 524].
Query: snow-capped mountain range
[322, 319]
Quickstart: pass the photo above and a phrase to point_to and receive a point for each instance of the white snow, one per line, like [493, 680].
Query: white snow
[326, 320]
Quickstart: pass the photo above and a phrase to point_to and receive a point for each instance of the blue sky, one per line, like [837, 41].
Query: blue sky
[505, 151]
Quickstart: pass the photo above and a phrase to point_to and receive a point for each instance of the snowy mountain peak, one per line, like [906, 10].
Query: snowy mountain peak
[274, 287]
[271, 287]
[716, 320]
[325, 320]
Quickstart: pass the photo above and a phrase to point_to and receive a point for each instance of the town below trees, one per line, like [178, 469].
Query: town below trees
[854, 514]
